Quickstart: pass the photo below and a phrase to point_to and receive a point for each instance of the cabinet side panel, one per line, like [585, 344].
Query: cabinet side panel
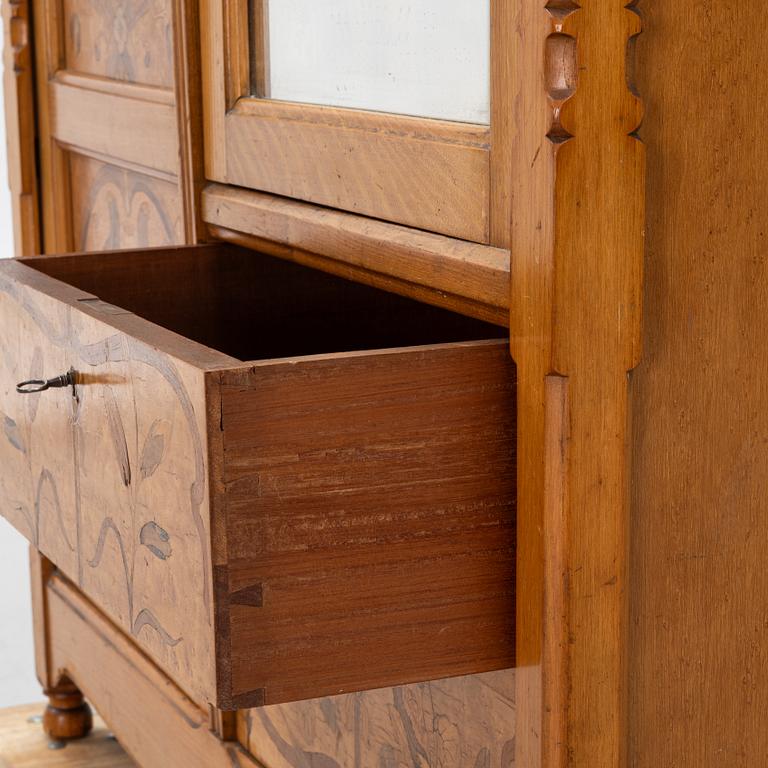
[699, 585]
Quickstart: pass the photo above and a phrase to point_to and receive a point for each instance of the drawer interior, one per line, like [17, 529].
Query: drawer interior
[254, 307]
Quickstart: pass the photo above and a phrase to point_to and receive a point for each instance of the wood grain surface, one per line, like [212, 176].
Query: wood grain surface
[466, 277]
[360, 536]
[89, 478]
[100, 117]
[463, 722]
[156, 722]
[24, 745]
[116, 208]
[369, 502]
[129, 41]
[699, 586]
[407, 170]
[108, 84]
[577, 246]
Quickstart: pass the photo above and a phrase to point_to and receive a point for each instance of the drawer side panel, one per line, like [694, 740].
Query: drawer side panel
[370, 516]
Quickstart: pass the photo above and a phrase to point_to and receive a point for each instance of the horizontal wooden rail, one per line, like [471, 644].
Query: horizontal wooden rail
[466, 277]
[101, 116]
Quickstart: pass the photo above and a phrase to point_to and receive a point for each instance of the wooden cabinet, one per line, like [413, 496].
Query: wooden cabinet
[358, 510]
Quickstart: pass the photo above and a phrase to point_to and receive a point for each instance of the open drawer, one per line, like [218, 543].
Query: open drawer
[281, 484]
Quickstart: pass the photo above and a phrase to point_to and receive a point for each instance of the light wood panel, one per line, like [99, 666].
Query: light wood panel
[407, 170]
[699, 585]
[462, 722]
[577, 242]
[130, 41]
[102, 117]
[114, 83]
[463, 276]
[20, 128]
[115, 207]
[24, 745]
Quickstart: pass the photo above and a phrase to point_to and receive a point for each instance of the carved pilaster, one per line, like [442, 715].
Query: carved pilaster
[577, 251]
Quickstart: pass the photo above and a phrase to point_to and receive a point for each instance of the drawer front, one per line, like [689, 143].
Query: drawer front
[154, 721]
[109, 481]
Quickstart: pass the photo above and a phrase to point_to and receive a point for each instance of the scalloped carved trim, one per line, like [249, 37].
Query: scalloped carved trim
[577, 253]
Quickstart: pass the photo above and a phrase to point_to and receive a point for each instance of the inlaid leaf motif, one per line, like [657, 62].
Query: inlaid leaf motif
[483, 759]
[148, 619]
[156, 540]
[13, 433]
[154, 447]
[32, 402]
[508, 754]
[48, 490]
[117, 435]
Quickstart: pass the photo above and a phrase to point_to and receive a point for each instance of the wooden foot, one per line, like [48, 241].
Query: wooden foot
[67, 715]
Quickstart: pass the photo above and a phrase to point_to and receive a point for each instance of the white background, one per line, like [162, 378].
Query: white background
[18, 684]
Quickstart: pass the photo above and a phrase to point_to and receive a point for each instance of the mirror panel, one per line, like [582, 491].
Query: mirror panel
[428, 58]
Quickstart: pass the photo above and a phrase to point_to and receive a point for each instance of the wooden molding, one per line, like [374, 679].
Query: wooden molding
[577, 245]
[469, 278]
[189, 118]
[40, 571]
[104, 120]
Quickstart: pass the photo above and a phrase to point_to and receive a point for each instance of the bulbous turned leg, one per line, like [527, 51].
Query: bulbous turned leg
[67, 715]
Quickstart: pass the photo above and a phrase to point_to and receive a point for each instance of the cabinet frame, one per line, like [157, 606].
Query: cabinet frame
[94, 117]
[573, 358]
[440, 176]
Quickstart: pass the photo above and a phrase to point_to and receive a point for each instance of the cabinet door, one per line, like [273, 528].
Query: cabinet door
[114, 120]
[18, 86]
[395, 111]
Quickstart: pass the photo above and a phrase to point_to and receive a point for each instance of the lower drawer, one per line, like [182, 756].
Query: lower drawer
[282, 484]
[154, 721]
